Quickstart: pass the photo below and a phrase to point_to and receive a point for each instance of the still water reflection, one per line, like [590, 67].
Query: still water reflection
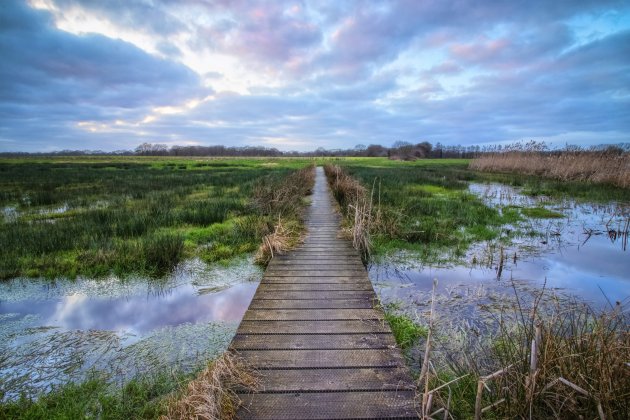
[137, 314]
[54, 332]
[584, 253]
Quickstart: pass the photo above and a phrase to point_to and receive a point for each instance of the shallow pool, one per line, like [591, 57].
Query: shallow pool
[53, 332]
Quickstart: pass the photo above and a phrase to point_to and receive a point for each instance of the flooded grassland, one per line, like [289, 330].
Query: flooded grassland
[501, 287]
[573, 248]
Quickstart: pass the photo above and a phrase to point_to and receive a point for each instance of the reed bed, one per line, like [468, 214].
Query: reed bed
[609, 166]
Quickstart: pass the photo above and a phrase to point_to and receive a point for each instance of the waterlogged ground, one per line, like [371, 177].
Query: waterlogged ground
[574, 249]
[55, 332]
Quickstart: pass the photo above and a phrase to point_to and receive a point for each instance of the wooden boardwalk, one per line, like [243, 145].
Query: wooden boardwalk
[315, 335]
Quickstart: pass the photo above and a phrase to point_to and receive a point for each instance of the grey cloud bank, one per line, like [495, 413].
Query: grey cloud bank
[301, 75]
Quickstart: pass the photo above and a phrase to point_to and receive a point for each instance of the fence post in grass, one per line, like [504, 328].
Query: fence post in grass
[530, 384]
[480, 385]
[424, 370]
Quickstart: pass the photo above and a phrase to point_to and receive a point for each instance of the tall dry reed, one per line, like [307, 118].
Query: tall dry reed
[357, 205]
[610, 166]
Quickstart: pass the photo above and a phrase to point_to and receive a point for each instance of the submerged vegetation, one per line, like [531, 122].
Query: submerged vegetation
[92, 217]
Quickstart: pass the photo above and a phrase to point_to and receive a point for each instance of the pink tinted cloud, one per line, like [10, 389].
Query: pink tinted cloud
[480, 50]
[270, 33]
[445, 67]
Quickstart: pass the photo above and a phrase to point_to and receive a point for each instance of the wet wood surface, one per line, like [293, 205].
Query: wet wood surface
[316, 335]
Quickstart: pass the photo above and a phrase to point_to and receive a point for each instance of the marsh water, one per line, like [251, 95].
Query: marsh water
[54, 332]
[582, 252]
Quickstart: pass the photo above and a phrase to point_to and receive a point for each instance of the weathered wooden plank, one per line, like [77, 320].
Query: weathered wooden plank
[273, 359]
[312, 304]
[329, 405]
[326, 380]
[314, 280]
[301, 294]
[316, 273]
[346, 265]
[324, 242]
[313, 327]
[323, 255]
[311, 314]
[325, 251]
[311, 341]
[289, 286]
[296, 260]
[327, 248]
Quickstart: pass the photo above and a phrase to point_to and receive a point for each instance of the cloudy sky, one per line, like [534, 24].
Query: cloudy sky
[297, 75]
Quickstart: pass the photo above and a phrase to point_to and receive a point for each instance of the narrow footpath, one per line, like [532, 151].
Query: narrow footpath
[316, 335]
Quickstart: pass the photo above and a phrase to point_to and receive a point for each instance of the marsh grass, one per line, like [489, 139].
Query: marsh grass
[421, 206]
[93, 217]
[406, 330]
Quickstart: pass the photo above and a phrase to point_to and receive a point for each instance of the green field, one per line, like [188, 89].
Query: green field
[96, 216]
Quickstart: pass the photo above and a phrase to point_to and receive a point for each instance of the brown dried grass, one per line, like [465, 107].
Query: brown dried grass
[356, 205]
[569, 361]
[278, 242]
[284, 198]
[607, 166]
[211, 395]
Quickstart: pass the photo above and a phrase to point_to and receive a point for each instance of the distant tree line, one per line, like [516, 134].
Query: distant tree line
[400, 150]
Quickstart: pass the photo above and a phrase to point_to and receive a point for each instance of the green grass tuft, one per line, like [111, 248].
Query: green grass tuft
[406, 331]
[541, 213]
